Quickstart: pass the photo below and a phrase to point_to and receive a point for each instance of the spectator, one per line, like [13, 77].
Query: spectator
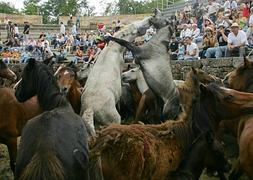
[234, 5]
[249, 35]
[78, 55]
[185, 31]
[173, 48]
[245, 10]
[196, 33]
[16, 31]
[70, 23]
[181, 50]
[212, 8]
[73, 30]
[90, 54]
[209, 40]
[62, 29]
[227, 5]
[24, 56]
[220, 50]
[192, 50]
[26, 30]
[237, 40]
[62, 55]
[251, 16]
[78, 21]
[187, 8]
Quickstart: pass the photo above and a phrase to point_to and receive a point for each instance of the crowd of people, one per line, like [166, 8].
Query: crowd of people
[218, 29]
[83, 46]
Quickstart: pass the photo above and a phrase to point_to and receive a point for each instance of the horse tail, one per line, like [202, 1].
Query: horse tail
[95, 168]
[44, 166]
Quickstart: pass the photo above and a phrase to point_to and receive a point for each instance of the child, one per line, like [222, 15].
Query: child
[181, 51]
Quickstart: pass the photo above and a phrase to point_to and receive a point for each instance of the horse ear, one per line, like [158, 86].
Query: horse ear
[246, 62]
[202, 88]
[194, 70]
[31, 62]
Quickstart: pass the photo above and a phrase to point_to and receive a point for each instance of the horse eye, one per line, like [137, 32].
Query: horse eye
[229, 98]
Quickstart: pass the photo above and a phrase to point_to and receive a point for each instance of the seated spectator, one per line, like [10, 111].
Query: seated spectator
[208, 23]
[173, 48]
[223, 18]
[62, 55]
[15, 56]
[6, 55]
[251, 16]
[48, 55]
[249, 35]
[212, 8]
[185, 31]
[220, 50]
[24, 56]
[245, 10]
[196, 34]
[192, 50]
[181, 50]
[78, 55]
[209, 41]
[237, 41]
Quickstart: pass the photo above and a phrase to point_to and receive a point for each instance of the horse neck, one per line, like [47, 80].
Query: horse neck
[141, 83]
[74, 96]
[135, 91]
[49, 97]
[162, 34]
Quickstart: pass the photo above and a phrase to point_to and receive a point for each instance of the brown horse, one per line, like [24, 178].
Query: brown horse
[240, 79]
[13, 117]
[66, 78]
[5, 72]
[153, 151]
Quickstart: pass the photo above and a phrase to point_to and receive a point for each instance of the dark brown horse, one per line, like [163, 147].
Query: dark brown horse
[135, 151]
[241, 79]
[66, 79]
[5, 72]
[54, 145]
[13, 117]
[204, 152]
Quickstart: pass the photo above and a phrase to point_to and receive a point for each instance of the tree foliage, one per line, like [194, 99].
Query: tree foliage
[8, 8]
[31, 7]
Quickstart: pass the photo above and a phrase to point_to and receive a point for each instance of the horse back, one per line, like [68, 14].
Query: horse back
[60, 132]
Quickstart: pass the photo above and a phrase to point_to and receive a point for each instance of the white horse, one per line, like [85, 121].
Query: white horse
[103, 86]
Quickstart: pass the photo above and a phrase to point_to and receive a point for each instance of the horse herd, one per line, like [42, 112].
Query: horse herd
[69, 118]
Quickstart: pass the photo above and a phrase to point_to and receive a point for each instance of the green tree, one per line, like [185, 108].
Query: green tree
[52, 9]
[8, 8]
[31, 7]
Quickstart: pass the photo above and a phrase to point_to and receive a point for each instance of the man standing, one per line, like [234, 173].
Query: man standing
[26, 30]
[237, 40]
[212, 8]
[62, 29]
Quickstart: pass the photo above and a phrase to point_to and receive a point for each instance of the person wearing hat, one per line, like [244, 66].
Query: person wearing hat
[192, 50]
[237, 40]
[209, 41]
[221, 38]
[185, 31]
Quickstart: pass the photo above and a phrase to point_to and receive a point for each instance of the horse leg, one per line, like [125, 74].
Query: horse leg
[236, 172]
[140, 108]
[12, 149]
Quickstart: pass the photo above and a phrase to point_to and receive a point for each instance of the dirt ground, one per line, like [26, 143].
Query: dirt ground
[6, 173]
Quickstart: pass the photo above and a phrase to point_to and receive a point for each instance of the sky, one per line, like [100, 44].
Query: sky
[99, 4]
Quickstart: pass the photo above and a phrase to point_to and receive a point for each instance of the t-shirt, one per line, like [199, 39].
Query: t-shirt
[190, 48]
[173, 46]
[26, 29]
[220, 39]
[239, 39]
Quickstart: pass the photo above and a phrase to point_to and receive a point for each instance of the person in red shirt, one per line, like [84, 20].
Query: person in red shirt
[245, 10]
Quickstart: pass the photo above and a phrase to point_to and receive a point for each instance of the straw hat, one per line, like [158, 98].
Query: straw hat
[234, 25]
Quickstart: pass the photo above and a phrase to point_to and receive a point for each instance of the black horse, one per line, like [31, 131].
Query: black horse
[54, 145]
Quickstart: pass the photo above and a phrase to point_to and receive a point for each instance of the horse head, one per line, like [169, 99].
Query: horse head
[203, 76]
[130, 75]
[240, 79]
[65, 78]
[223, 103]
[5, 72]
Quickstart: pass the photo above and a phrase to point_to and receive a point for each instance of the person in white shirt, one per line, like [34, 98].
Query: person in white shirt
[74, 31]
[185, 32]
[16, 31]
[192, 50]
[212, 9]
[237, 40]
[227, 5]
[62, 29]
[196, 33]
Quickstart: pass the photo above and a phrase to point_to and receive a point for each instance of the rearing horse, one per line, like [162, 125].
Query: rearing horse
[54, 145]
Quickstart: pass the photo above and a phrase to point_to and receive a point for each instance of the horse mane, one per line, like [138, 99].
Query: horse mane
[47, 86]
